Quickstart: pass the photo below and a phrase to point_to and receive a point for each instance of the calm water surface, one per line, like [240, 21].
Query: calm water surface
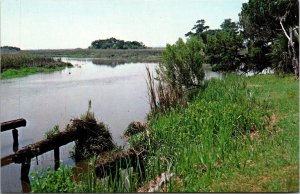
[118, 95]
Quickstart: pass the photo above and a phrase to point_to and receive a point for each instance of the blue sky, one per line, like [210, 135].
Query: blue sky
[58, 24]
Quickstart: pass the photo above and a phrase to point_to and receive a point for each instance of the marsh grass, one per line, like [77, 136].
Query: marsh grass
[67, 179]
[20, 65]
[140, 55]
[227, 133]
[95, 137]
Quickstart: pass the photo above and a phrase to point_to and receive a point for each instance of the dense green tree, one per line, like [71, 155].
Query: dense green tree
[263, 21]
[181, 64]
[223, 51]
[199, 28]
[113, 43]
[230, 26]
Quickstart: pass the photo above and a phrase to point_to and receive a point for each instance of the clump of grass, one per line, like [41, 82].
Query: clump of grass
[51, 132]
[95, 137]
[134, 128]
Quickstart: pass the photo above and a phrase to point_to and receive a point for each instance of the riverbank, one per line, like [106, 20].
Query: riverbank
[105, 55]
[20, 65]
[238, 135]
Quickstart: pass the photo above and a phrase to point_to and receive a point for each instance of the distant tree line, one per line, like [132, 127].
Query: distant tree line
[113, 43]
[266, 36]
[9, 48]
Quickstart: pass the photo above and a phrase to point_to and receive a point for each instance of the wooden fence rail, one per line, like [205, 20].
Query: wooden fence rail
[13, 124]
[121, 159]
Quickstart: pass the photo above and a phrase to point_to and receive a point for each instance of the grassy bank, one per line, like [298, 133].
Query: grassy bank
[105, 55]
[237, 135]
[20, 65]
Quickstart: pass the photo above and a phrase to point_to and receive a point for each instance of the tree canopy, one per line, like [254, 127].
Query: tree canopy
[9, 49]
[113, 43]
[266, 36]
[264, 25]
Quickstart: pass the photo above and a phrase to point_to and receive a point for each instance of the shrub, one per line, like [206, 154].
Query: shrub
[179, 71]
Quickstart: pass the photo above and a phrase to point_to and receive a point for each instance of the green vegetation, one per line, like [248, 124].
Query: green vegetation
[134, 128]
[263, 23]
[180, 70]
[236, 134]
[182, 64]
[8, 49]
[19, 65]
[51, 132]
[103, 56]
[94, 139]
[113, 43]
[266, 36]
[53, 181]
[239, 134]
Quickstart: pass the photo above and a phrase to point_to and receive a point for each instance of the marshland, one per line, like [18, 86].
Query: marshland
[212, 108]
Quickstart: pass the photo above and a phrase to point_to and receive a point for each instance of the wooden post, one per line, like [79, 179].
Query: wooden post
[25, 182]
[26, 188]
[25, 168]
[15, 140]
[56, 158]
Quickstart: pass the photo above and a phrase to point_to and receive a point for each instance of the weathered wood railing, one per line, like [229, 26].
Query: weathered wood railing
[105, 164]
[13, 125]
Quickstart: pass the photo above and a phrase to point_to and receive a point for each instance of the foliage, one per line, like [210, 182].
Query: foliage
[280, 56]
[223, 50]
[50, 181]
[182, 64]
[113, 43]
[199, 28]
[180, 70]
[17, 65]
[95, 137]
[230, 26]
[260, 21]
[134, 128]
[9, 49]
[257, 57]
[139, 55]
[239, 135]
[229, 138]
[83, 180]
[51, 132]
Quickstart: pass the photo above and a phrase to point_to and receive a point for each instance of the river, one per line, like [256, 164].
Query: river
[118, 95]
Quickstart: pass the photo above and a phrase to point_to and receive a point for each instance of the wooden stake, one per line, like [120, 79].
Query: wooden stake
[56, 158]
[15, 140]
